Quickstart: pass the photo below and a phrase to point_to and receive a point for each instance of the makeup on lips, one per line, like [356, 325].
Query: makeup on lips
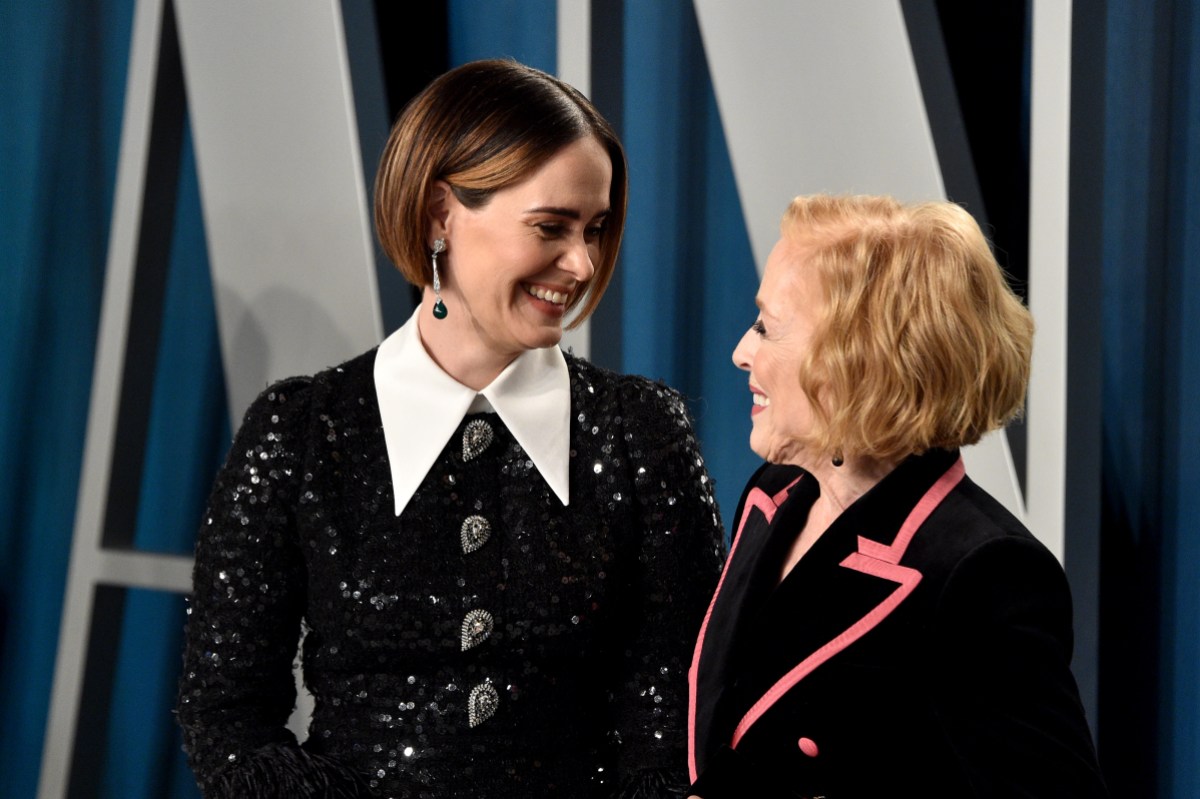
[761, 401]
[549, 300]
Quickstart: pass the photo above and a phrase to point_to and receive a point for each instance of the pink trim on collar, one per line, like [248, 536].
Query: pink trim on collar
[757, 498]
[782, 495]
[874, 559]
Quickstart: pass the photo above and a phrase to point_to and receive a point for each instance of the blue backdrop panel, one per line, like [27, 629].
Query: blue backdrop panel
[1150, 623]
[525, 30]
[62, 83]
[144, 758]
[687, 271]
[1181, 429]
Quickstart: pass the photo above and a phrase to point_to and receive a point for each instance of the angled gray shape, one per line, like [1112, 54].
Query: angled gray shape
[817, 97]
[282, 187]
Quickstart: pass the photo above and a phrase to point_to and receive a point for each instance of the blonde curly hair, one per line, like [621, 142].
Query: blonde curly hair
[921, 342]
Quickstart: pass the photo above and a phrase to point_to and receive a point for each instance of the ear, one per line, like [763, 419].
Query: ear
[442, 204]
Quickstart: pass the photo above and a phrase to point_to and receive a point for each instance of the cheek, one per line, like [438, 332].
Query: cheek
[766, 369]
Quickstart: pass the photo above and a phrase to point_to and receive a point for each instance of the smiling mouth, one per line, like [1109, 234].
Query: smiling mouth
[554, 297]
[761, 400]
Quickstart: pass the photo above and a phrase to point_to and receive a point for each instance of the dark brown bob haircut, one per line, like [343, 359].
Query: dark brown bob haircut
[921, 342]
[483, 127]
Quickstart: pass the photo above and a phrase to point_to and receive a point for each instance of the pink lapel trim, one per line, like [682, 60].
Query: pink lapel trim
[876, 560]
[757, 498]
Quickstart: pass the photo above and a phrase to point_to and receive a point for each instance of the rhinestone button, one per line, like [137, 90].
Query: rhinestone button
[477, 436]
[482, 704]
[475, 533]
[476, 627]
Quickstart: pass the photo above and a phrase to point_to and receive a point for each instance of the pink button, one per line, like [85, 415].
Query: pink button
[809, 747]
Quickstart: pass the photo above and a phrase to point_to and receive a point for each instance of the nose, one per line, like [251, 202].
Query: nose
[743, 353]
[577, 261]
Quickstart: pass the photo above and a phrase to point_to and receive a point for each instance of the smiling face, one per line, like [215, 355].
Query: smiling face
[512, 265]
[772, 350]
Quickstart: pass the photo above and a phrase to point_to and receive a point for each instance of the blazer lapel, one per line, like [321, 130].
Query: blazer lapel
[737, 597]
[867, 585]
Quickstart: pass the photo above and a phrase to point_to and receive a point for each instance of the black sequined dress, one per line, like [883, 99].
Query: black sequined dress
[488, 642]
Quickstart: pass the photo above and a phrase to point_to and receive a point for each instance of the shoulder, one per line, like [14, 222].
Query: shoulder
[287, 403]
[968, 523]
[984, 557]
[644, 406]
[354, 375]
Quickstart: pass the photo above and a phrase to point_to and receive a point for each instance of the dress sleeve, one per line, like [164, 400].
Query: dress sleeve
[1009, 703]
[678, 549]
[243, 624]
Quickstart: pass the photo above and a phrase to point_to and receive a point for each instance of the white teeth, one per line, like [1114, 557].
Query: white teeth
[762, 400]
[556, 297]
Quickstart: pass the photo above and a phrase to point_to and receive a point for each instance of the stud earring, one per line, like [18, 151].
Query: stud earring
[439, 307]
[838, 460]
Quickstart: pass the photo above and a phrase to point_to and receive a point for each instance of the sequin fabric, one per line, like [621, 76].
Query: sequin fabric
[489, 642]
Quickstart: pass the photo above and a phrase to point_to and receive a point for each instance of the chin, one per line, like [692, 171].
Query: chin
[774, 450]
[542, 339]
[758, 449]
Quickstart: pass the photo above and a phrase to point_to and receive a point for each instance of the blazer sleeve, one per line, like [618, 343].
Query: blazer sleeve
[1010, 705]
[237, 689]
[676, 553]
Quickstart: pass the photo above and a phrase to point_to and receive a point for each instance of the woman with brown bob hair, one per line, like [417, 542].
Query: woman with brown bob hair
[884, 627]
[499, 553]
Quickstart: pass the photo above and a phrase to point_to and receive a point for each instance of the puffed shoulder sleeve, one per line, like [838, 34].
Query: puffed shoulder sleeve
[1010, 704]
[243, 624]
[679, 549]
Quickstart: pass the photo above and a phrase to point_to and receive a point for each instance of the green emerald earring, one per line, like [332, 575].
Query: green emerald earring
[439, 307]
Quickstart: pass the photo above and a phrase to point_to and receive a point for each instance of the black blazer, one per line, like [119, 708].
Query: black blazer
[920, 648]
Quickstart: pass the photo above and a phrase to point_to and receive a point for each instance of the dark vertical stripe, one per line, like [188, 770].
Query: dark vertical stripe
[942, 108]
[1085, 235]
[988, 48]
[608, 95]
[156, 227]
[974, 82]
[412, 41]
[372, 114]
[95, 699]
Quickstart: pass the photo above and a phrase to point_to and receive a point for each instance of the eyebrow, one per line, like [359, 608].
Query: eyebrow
[570, 213]
[765, 309]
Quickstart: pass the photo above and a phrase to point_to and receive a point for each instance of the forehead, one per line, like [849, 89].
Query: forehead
[788, 281]
[581, 171]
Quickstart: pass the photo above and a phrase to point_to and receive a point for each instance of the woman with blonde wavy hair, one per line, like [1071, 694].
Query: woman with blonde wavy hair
[883, 626]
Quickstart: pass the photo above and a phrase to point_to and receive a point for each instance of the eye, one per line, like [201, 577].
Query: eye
[594, 232]
[758, 327]
[550, 230]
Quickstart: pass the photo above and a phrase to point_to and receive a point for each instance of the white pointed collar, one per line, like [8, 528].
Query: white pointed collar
[421, 407]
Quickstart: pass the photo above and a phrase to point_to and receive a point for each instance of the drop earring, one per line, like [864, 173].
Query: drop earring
[838, 460]
[439, 307]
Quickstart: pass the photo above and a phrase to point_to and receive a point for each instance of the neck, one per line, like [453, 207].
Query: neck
[841, 486]
[459, 347]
